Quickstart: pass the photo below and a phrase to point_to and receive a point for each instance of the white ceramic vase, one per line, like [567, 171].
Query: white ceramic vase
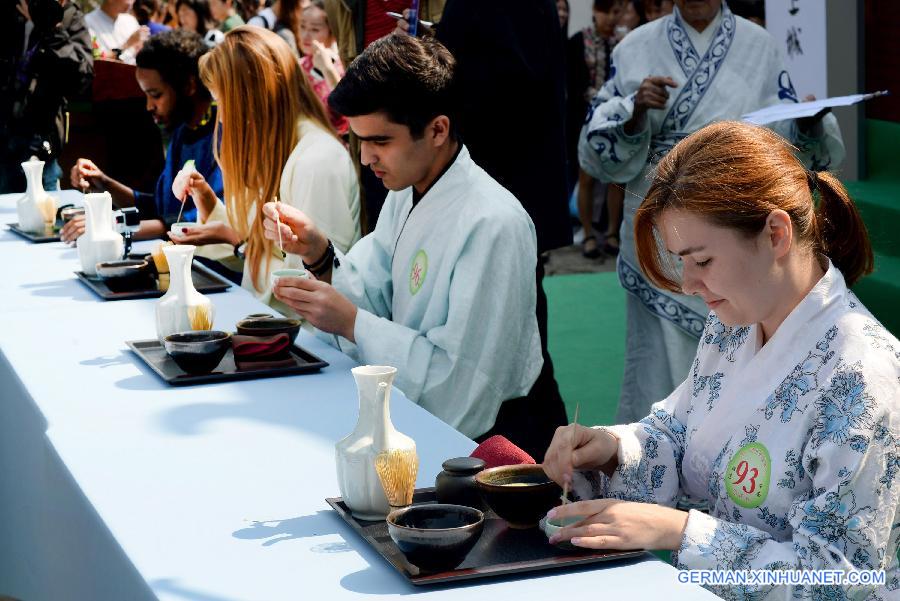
[35, 208]
[99, 242]
[374, 433]
[173, 310]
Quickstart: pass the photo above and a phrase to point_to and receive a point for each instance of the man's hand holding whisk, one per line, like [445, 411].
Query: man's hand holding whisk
[299, 235]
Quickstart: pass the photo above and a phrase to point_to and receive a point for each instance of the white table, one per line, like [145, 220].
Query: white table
[114, 485]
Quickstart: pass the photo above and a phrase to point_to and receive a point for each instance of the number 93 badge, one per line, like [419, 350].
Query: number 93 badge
[747, 476]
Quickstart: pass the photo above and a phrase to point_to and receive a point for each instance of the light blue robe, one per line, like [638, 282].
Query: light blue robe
[728, 70]
[821, 401]
[446, 294]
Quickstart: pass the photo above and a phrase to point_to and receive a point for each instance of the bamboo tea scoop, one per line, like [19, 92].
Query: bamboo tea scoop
[565, 493]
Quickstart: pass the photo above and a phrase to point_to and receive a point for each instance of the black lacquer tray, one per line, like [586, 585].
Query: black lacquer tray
[205, 282]
[296, 361]
[500, 550]
[36, 238]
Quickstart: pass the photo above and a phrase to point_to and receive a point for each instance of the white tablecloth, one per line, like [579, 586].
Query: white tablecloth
[114, 485]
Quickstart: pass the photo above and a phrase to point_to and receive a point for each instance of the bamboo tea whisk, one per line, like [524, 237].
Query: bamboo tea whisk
[200, 317]
[161, 264]
[397, 469]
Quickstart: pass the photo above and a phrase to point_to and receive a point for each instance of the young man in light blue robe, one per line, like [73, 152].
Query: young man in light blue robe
[443, 288]
[669, 78]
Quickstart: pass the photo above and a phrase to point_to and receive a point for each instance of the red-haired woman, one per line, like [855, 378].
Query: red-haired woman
[788, 424]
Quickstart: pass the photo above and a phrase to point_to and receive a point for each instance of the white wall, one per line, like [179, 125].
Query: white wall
[804, 21]
[579, 15]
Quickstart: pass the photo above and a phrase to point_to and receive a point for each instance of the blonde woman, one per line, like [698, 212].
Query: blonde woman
[275, 141]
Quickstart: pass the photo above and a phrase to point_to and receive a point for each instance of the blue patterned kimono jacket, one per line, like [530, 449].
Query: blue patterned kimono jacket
[795, 447]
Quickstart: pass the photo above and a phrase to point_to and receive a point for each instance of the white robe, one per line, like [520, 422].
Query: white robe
[319, 179]
[729, 69]
[446, 294]
[112, 33]
[815, 412]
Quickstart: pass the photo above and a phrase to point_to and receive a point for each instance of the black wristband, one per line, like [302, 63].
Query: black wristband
[321, 266]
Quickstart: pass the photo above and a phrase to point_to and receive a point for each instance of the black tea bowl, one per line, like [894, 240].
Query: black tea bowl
[520, 494]
[128, 268]
[266, 325]
[435, 537]
[197, 352]
[123, 276]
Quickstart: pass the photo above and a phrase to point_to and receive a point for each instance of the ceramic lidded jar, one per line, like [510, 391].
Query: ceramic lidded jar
[99, 242]
[182, 308]
[456, 484]
[374, 433]
[35, 208]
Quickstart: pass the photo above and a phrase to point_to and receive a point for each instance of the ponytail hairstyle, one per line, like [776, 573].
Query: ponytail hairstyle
[735, 174]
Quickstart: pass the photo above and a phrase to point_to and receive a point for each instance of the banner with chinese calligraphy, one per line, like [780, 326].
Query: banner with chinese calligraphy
[798, 27]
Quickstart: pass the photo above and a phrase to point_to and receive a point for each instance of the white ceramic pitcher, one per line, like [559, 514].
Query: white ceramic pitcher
[374, 433]
[174, 309]
[99, 242]
[35, 208]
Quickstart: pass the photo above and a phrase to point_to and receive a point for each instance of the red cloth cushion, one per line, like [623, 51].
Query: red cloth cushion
[498, 450]
[246, 347]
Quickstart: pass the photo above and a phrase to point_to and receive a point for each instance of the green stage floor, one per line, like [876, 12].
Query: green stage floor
[587, 342]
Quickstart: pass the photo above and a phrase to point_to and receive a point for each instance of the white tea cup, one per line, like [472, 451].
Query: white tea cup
[179, 227]
[287, 273]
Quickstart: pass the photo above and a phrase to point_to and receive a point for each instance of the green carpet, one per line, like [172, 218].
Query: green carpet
[586, 324]
[878, 199]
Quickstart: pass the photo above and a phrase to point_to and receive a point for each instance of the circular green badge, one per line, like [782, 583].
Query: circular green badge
[747, 476]
[417, 272]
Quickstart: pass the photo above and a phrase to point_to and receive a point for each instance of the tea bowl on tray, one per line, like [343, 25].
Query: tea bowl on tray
[125, 275]
[267, 325]
[199, 351]
[128, 268]
[435, 537]
[520, 494]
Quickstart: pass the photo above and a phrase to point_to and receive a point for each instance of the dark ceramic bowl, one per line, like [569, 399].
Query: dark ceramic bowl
[520, 494]
[267, 325]
[435, 537]
[198, 352]
[129, 268]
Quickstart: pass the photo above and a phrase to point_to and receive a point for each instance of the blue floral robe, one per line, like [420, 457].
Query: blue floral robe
[816, 414]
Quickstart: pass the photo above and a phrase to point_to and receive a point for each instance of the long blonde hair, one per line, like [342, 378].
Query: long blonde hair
[262, 93]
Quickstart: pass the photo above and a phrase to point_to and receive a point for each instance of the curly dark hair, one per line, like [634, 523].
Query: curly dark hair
[175, 55]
